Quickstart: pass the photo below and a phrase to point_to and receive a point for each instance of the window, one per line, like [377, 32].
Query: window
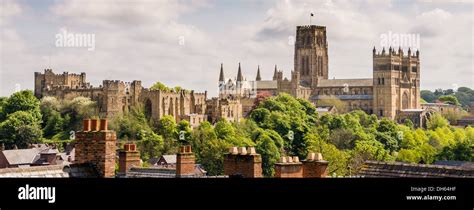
[396, 67]
[381, 113]
[383, 81]
[405, 68]
[379, 81]
[413, 68]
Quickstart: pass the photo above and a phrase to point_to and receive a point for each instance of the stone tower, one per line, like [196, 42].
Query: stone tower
[311, 54]
[396, 82]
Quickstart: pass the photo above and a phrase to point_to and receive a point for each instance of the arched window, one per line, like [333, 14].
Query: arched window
[405, 101]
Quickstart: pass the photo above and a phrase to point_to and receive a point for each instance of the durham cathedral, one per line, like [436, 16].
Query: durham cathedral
[393, 92]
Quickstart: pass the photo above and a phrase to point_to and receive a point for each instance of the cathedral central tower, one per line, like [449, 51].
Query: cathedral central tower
[311, 54]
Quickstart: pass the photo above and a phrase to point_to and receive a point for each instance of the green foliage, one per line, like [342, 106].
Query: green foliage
[163, 87]
[270, 153]
[451, 99]
[338, 159]
[21, 128]
[160, 86]
[21, 101]
[463, 96]
[167, 128]
[436, 121]
[461, 151]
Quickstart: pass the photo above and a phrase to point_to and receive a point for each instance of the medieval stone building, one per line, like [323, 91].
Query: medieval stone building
[393, 92]
[114, 97]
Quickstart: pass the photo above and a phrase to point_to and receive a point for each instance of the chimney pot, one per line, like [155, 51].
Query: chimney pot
[290, 160]
[251, 151]
[234, 150]
[86, 125]
[296, 159]
[283, 159]
[242, 150]
[94, 125]
[188, 149]
[182, 149]
[319, 157]
[311, 156]
[104, 124]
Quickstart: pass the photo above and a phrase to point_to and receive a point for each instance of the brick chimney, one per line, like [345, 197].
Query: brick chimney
[95, 145]
[128, 157]
[185, 161]
[314, 166]
[243, 162]
[289, 167]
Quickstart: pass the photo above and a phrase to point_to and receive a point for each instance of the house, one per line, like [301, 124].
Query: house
[35, 156]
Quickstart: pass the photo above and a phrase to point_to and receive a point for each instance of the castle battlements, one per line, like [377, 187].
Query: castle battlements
[392, 53]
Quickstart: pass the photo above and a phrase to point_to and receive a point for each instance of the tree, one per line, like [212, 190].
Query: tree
[167, 128]
[461, 151]
[436, 121]
[21, 128]
[368, 150]
[451, 99]
[208, 149]
[184, 131]
[270, 154]
[341, 106]
[22, 101]
[338, 159]
[160, 86]
[150, 145]
[428, 96]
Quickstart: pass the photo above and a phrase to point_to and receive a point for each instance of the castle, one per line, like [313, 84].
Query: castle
[393, 92]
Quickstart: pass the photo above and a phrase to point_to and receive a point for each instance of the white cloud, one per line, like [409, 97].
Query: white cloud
[140, 40]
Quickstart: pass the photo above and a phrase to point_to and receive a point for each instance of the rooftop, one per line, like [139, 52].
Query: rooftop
[374, 169]
[345, 82]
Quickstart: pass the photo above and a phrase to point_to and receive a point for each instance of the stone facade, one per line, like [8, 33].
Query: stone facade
[225, 108]
[112, 97]
[180, 105]
[394, 88]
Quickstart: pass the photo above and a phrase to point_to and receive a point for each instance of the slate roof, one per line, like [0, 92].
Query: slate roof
[342, 97]
[161, 172]
[344, 82]
[170, 159]
[463, 164]
[21, 156]
[405, 170]
[267, 84]
[52, 171]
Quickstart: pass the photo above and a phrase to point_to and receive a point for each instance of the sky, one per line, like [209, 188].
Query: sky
[183, 42]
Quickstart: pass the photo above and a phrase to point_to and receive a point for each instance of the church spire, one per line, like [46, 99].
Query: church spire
[239, 74]
[275, 77]
[259, 78]
[221, 75]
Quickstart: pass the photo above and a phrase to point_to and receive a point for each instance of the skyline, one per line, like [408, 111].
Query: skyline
[183, 43]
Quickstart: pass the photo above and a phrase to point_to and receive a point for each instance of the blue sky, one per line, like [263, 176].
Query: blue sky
[140, 39]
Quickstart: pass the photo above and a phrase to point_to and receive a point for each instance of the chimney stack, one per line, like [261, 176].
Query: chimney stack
[129, 157]
[97, 147]
[185, 162]
[289, 167]
[314, 166]
[243, 162]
